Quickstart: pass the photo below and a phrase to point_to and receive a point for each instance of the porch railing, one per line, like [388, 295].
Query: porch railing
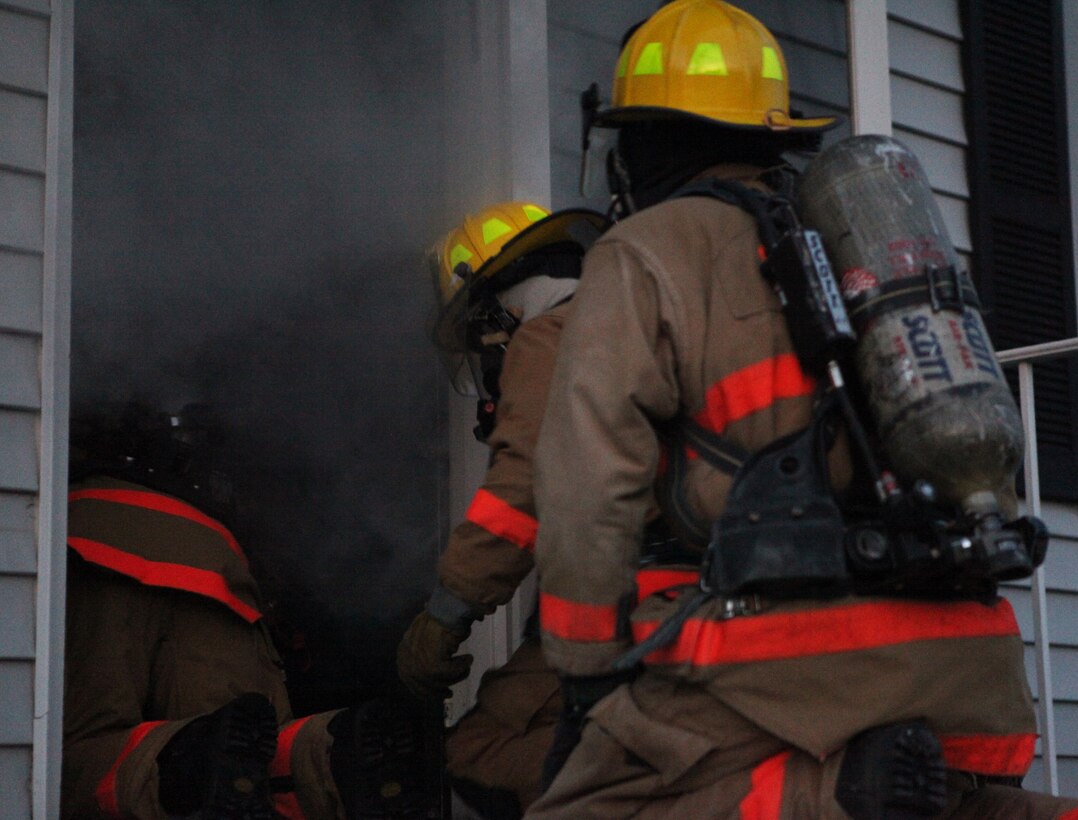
[1025, 358]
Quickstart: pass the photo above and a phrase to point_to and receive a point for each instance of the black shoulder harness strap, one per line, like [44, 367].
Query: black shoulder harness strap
[761, 205]
[724, 455]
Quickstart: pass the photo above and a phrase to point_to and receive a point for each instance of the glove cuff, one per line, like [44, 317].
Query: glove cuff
[452, 612]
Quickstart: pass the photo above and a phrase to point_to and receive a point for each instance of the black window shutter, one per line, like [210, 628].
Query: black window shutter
[1020, 206]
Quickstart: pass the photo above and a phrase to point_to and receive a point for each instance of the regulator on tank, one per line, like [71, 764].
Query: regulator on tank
[945, 419]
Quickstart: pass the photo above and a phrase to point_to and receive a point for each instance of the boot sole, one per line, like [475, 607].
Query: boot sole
[245, 743]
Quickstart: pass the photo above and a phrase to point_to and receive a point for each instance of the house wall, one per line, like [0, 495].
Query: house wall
[926, 88]
[35, 174]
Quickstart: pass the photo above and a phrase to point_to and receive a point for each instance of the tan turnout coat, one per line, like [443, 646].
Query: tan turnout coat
[673, 317]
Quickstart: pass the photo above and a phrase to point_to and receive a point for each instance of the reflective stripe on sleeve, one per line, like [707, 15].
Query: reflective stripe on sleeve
[286, 804]
[849, 628]
[105, 793]
[1002, 755]
[163, 574]
[499, 518]
[753, 388]
[577, 622]
[764, 801]
[162, 504]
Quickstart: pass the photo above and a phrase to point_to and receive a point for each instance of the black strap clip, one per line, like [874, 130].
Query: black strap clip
[944, 288]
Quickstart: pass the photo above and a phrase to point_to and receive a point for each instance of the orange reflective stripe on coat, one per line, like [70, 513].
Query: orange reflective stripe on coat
[764, 801]
[285, 803]
[499, 518]
[1003, 755]
[163, 574]
[105, 793]
[162, 504]
[751, 389]
[576, 621]
[849, 628]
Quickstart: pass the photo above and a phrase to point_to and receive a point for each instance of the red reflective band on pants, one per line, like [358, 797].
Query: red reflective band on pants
[575, 621]
[285, 803]
[499, 518]
[824, 631]
[105, 793]
[159, 503]
[989, 754]
[650, 581]
[163, 574]
[753, 388]
[765, 799]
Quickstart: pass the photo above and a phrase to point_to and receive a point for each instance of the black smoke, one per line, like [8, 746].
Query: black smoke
[255, 186]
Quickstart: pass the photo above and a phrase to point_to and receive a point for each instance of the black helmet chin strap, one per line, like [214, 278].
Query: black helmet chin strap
[489, 329]
[622, 203]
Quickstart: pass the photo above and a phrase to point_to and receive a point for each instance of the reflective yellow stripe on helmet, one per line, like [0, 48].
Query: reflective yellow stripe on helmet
[493, 228]
[535, 213]
[457, 255]
[650, 60]
[772, 67]
[707, 58]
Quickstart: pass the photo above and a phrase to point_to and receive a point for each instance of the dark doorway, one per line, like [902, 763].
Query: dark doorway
[255, 186]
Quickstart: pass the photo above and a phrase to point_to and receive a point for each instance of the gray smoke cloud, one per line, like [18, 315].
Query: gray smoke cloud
[255, 185]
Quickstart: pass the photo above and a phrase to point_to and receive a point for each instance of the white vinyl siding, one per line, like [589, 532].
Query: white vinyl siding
[1061, 577]
[23, 81]
[35, 155]
[583, 43]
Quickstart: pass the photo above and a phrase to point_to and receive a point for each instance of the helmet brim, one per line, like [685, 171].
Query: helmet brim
[616, 117]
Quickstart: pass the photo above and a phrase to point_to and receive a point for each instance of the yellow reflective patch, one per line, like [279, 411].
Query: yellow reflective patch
[535, 213]
[623, 62]
[457, 255]
[772, 69]
[493, 228]
[650, 60]
[707, 59]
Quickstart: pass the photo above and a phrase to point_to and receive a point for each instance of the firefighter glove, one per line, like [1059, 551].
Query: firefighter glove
[427, 662]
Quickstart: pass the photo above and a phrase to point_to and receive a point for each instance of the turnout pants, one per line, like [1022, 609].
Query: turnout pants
[141, 663]
[662, 747]
[502, 742]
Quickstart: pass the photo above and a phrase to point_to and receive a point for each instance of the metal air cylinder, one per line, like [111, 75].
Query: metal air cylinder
[942, 409]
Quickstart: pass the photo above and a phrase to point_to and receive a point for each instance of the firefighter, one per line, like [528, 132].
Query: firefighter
[504, 277]
[792, 705]
[175, 699]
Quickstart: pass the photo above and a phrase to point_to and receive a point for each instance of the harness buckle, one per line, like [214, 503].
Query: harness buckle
[741, 605]
[944, 288]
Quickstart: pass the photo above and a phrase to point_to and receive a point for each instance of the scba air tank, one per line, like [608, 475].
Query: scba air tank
[941, 407]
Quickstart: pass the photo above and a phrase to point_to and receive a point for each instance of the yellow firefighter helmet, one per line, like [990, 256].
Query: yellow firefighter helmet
[709, 60]
[478, 241]
[488, 243]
